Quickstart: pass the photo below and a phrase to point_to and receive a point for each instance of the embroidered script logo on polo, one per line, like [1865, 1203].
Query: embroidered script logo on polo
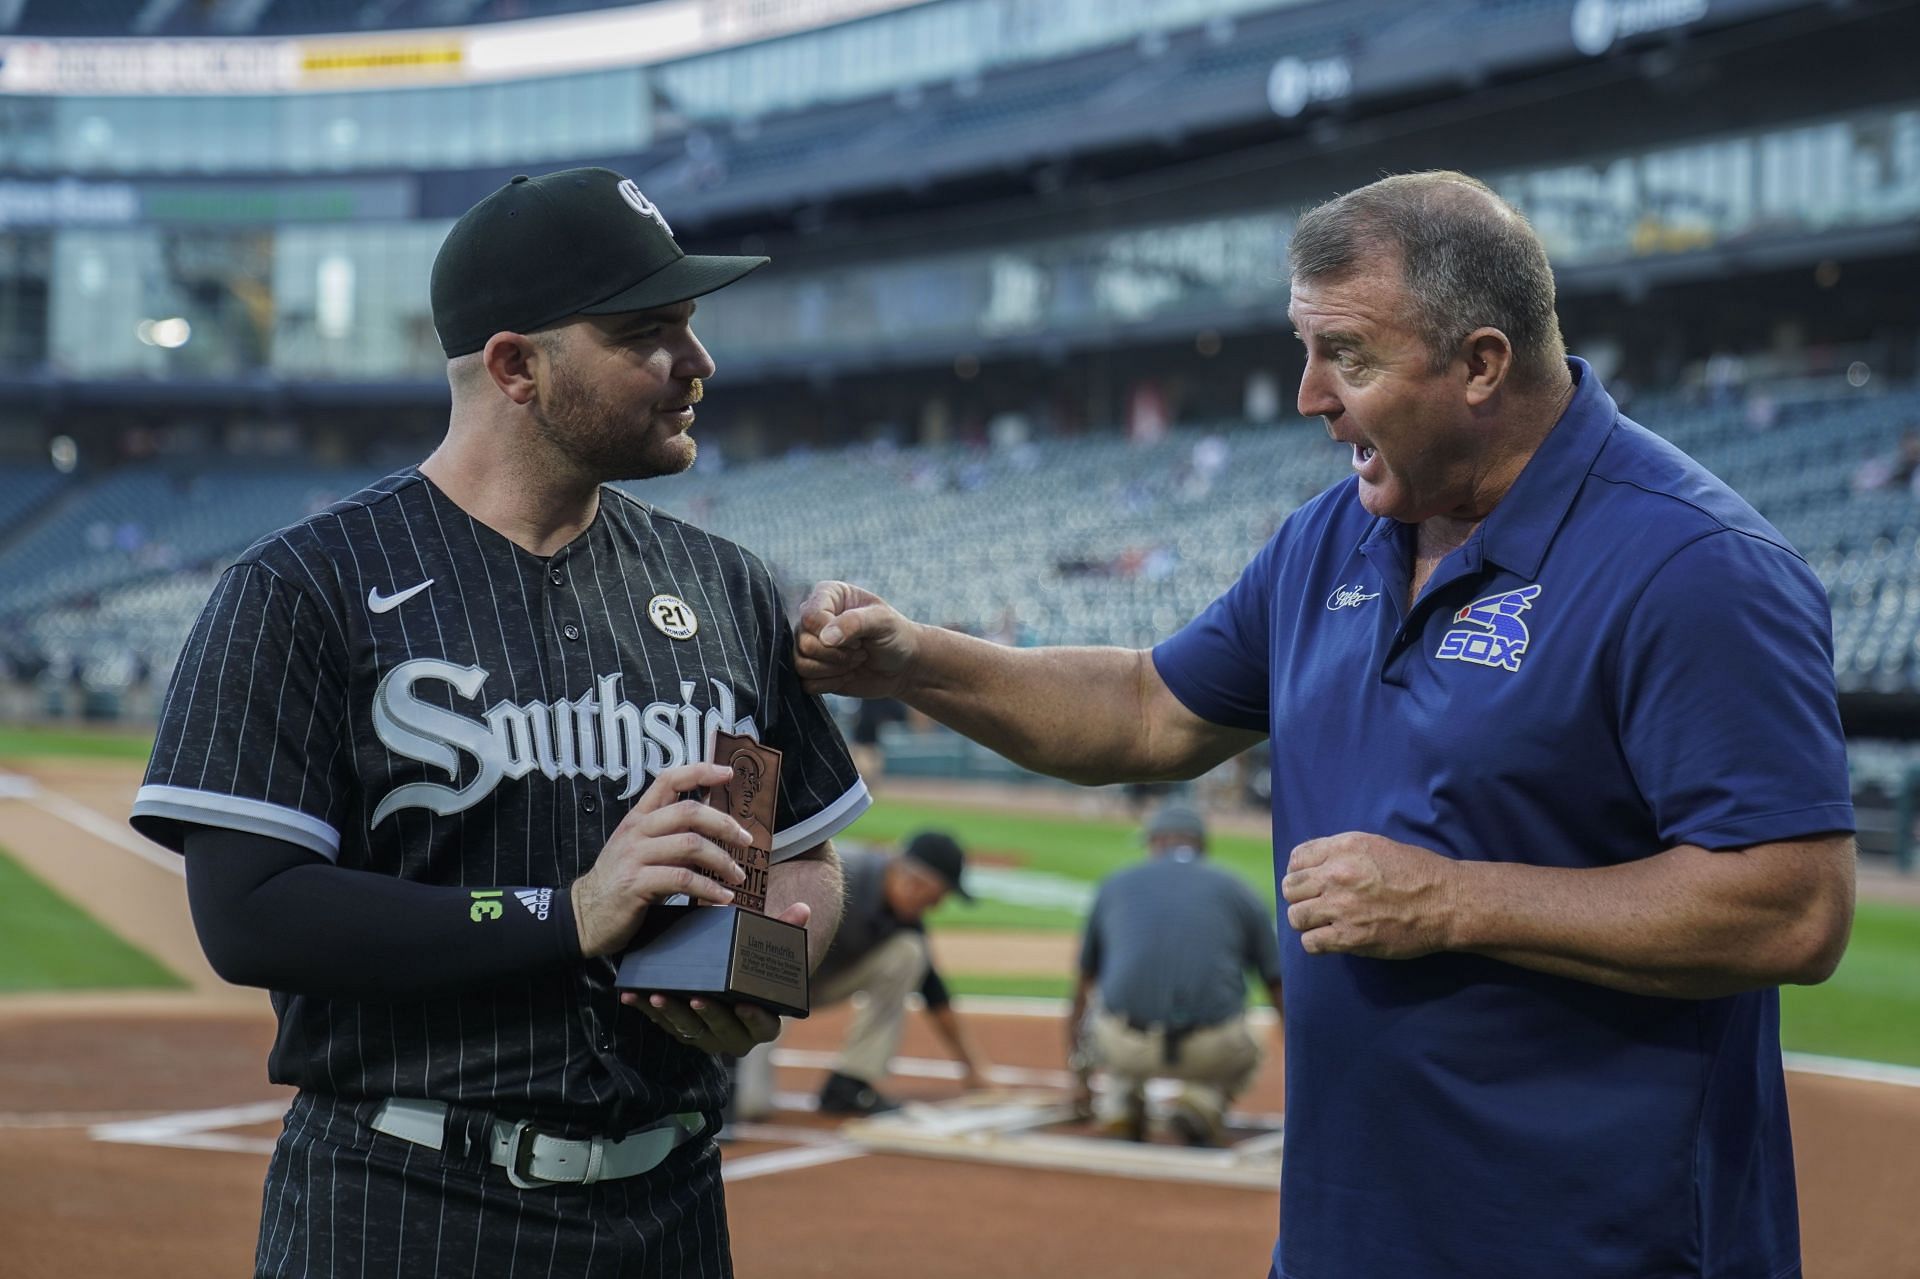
[1500, 640]
[598, 734]
[1345, 596]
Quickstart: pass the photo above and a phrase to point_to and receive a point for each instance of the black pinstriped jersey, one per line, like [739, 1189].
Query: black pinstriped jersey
[401, 689]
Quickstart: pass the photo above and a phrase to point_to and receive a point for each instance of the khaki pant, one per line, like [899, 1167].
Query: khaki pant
[1216, 1063]
[885, 975]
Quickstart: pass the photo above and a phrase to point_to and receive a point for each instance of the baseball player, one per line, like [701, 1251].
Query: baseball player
[427, 752]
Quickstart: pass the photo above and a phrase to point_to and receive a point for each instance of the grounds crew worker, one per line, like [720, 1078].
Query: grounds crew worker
[881, 952]
[1167, 947]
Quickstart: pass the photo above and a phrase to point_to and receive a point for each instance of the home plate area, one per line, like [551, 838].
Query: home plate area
[1024, 1121]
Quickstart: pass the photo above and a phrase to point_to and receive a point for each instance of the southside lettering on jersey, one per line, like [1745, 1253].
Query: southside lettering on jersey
[493, 730]
[595, 735]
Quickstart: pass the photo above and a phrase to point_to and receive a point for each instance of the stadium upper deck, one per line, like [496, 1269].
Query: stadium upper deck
[1065, 198]
[107, 18]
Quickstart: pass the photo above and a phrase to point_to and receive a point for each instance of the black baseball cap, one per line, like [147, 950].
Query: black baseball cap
[940, 853]
[576, 242]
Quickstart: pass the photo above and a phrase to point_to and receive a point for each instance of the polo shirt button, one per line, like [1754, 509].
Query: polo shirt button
[571, 631]
[555, 576]
[588, 803]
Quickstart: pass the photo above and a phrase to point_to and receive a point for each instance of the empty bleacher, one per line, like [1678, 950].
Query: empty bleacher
[1089, 540]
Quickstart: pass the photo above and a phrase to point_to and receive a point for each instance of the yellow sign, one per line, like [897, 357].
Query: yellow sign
[378, 61]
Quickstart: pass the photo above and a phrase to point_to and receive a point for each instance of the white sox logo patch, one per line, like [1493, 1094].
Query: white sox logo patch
[630, 192]
[671, 614]
[1497, 638]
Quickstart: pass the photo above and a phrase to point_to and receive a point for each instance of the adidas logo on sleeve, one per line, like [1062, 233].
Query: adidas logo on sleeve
[538, 901]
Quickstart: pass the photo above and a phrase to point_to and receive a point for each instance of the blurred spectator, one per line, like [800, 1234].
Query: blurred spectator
[1887, 470]
[1007, 629]
[1162, 561]
[1205, 465]
[1725, 378]
[870, 719]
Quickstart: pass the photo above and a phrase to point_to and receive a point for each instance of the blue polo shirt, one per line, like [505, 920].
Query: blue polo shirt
[1623, 657]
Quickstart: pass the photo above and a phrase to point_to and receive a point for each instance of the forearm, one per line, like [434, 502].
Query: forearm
[1077, 1015]
[812, 877]
[277, 917]
[946, 1023]
[1686, 923]
[1076, 713]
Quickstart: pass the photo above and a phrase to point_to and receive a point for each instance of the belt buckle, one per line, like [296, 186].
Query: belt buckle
[520, 1157]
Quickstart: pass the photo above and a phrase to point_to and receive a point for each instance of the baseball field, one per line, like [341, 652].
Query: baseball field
[135, 1115]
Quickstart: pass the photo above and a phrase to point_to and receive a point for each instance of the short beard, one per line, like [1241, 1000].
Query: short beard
[598, 440]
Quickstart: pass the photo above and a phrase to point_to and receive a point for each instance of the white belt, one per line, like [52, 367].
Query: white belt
[535, 1159]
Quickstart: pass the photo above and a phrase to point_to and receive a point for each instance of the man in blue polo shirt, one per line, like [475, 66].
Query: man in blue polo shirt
[1556, 760]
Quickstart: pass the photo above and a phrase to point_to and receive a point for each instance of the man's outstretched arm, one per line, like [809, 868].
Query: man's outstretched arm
[1089, 715]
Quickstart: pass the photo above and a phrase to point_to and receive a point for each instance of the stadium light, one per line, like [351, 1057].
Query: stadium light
[170, 334]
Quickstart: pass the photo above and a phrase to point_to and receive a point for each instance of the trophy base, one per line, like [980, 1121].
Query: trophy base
[719, 951]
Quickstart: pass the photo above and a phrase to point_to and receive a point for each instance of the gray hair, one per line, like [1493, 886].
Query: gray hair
[1468, 258]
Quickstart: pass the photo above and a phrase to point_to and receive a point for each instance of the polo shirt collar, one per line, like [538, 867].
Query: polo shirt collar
[1520, 527]
[1516, 533]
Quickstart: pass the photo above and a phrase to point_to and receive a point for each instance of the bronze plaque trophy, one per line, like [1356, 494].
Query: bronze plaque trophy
[737, 951]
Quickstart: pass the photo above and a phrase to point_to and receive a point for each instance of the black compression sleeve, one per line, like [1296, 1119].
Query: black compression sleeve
[273, 914]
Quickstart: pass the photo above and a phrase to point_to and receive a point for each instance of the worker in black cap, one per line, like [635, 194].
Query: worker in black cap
[881, 952]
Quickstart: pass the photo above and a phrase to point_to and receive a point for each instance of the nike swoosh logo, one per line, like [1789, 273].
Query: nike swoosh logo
[379, 603]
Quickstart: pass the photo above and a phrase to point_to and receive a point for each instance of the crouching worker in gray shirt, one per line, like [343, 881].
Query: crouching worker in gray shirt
[1166, 947]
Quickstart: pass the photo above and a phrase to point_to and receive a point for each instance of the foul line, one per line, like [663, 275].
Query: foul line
[1873, 1072]
[75, 813]
[29, 1121]
[787, 1160]
[196, 1129]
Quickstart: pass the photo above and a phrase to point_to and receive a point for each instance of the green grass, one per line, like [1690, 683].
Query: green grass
[17, 742]
[1036, 987]
[1003, 917]
[46, 943]
[1870, 1008]
[1085, 849]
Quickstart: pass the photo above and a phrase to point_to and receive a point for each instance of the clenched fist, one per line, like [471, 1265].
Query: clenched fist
[1361, 894]
[853, 642]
